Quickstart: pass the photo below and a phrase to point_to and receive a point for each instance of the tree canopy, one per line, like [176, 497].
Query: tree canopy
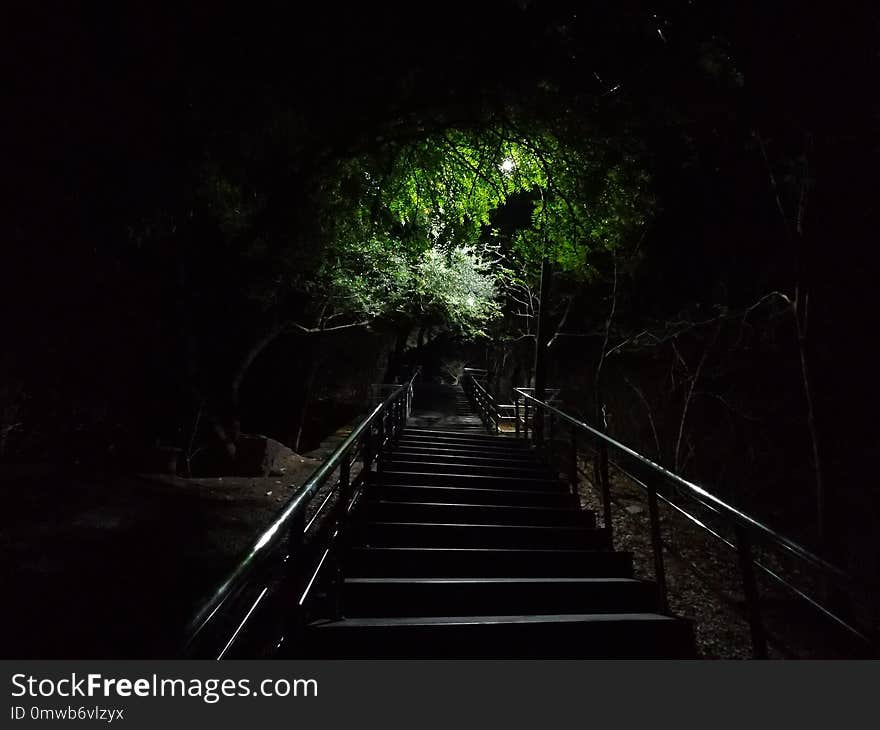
[412, 231]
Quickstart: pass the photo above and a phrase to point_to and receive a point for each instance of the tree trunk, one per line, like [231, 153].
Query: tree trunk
[597, 380]
[308, 389]
[799, 309]
[250, 357]
[395, 363]
[227, 426]
[543, 334]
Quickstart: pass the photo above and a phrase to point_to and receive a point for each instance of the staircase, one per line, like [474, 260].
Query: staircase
[467, 545]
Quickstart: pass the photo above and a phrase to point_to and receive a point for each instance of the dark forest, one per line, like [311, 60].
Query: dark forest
[231, 229]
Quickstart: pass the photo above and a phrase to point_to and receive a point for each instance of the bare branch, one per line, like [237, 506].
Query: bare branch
[561, 322]
[690, 393]
[647, 405]
[313, 330]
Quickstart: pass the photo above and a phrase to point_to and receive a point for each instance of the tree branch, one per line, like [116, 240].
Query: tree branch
[314, 330]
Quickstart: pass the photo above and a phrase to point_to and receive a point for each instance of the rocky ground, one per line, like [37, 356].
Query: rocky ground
[113, 566]
[704, 582]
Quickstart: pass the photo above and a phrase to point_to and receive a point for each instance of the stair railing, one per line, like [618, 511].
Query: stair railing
[660, 483]
[263, 602]
[522, 417]
[480, 399]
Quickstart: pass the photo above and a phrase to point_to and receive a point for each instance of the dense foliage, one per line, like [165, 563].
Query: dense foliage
[408, 233]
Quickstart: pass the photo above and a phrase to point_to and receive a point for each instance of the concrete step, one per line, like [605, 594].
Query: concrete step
[533, 470]
[553, 636]
[463, 479]
[472, 495]
[469, 546]
[450, 512]
[444, 456]
[434, 534]
[492, 596]
[493, 446]
[464, 436]
[486, 562]
[467, 452]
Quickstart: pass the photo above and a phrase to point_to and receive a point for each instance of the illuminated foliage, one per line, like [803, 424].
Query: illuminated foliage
[409, 232]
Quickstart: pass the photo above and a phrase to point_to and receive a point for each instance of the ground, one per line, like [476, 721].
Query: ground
[704, 583]
[113, 566]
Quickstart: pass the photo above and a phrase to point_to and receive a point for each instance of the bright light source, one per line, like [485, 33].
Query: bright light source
[508, 165]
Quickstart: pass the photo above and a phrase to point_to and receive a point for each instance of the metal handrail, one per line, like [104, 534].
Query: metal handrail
[744, 524]
[758, 564]
[291, 520]
[481, 399]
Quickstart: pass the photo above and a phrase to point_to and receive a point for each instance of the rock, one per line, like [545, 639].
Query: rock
[634, 509]
[212, 461]
[260, 456]
[161, 460]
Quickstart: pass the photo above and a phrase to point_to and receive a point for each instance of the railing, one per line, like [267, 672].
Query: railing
[265, 601]
[655, 479]
[481, 400]
[492, 413]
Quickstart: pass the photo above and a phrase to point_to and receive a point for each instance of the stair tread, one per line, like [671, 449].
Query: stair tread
[574, 551]
[491, 442]
[504, 580]
[411, 431]
[471, 545]
[452, 475]
[487, 490]
[524, 507]
[474, 494]
[366, 621]
[519, 469]
[490, 525]
[465, 440]
[400, 455]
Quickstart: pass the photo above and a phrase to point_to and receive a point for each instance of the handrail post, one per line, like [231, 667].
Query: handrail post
[338, 583]
[516, 415]
[370, 454]
[657, 547]
[526, 419]
[295, 573]
[573, 463]
[605, 486]
[750, 590]
[345, 476]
